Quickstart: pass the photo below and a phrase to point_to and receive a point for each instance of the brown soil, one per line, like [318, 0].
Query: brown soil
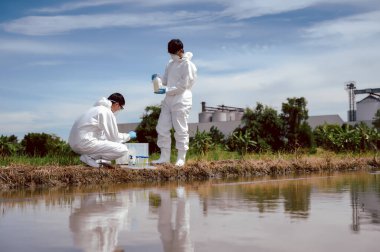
[49, 176]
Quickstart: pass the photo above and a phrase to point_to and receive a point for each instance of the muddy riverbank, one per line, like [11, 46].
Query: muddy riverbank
[49, 176]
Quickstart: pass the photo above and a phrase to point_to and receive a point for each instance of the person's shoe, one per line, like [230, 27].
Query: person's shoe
[103, 162]
[164, 157]
[89, 161]
[181, 158]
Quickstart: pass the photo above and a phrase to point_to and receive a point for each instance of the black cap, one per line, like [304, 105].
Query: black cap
[117, 97]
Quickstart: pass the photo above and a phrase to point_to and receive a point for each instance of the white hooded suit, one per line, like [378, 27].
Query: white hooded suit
[180, 75]
[95, 133]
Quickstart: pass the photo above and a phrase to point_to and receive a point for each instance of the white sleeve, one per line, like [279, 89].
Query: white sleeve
[164, 78]
[107, 122]
[125, 137]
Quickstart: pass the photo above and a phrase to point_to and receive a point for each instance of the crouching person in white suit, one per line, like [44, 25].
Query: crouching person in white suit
[95, 135]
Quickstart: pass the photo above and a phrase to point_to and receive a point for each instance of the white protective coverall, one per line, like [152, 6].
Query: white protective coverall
[175, 236]
[97, 222]
[95, 133]
[180, 75]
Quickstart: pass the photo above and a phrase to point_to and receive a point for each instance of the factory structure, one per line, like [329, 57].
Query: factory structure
[228, 118]
[221, 113]
[365, 109]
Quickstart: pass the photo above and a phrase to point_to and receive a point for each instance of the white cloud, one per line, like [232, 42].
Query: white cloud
[348, 29]
[239, 9]
[243, 9]
[97, 3]
[37, 47]
[40, 117]
[79, 5]
[47, 25]
[46, 63]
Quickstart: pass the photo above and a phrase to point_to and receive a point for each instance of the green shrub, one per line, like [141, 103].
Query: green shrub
[9, 145]
[201, 143]
[42, 144]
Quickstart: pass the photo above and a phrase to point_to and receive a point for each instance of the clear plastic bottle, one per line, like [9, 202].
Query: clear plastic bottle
[157, 82]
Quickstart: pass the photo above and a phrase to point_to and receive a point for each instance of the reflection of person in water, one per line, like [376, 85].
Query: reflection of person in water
[175, 239]
[97, 222]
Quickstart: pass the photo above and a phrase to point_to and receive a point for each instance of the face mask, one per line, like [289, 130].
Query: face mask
[116, 113]
[174, 56]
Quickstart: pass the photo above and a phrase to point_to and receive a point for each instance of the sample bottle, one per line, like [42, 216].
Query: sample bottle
[157, 83]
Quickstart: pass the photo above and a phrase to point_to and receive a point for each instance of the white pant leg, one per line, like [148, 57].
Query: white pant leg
[179, 120]
[163, 128]
[103, 149]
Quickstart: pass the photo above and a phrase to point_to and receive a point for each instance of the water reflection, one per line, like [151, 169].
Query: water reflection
[365, 202]
[175, 237]
[96, 223]
[242, 215]
[297, 199]
[266, 197]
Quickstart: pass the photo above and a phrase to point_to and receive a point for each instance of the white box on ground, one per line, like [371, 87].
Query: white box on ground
[137, 156]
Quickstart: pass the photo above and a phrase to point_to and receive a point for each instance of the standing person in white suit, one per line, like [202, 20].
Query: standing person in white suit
[180, 75]
[95, 135]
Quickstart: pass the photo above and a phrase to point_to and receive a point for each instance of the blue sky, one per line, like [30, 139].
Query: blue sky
[58, 57]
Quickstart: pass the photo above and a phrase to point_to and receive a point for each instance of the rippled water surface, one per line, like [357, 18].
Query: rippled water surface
[313, 213]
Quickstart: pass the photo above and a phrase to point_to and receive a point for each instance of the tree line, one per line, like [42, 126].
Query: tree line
[263, 129]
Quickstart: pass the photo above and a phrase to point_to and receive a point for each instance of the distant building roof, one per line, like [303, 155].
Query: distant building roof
[315, 121]
[126, 127]
[225, 127]
[369, 98]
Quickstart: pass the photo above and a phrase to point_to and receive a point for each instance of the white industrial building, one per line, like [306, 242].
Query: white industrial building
[367, 108]
[227, 119]
[364, 110]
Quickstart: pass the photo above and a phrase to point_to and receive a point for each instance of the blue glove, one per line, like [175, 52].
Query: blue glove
[161, 91]
[154, 76]
[132, 134]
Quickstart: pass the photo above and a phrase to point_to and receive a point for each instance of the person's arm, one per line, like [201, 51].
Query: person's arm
[107, 122]
[164, 78]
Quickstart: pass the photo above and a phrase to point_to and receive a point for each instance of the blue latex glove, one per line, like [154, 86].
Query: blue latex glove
[132, 134]
[154, 76]
[161, 91]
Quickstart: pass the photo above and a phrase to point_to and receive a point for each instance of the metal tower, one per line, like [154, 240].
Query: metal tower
[351, 113]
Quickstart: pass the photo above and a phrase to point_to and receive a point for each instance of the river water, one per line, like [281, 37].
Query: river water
[336, 212]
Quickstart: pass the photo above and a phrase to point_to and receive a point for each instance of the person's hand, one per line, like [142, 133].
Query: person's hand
[154, 76]
[161, 91]
[132, 134]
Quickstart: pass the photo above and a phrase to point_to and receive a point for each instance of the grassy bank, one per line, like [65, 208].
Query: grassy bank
[25, 175]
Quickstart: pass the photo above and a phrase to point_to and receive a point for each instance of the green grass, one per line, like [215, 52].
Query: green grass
[39, 161]
[212, 155]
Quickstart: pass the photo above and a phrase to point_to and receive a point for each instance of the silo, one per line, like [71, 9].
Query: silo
[238, 115]
[219, 116]
[231, 116]
[205, 117]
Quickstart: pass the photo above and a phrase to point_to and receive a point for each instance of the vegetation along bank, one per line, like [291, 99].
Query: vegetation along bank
[76, 175]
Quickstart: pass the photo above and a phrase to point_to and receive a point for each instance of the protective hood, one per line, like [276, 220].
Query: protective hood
[187, 56]
[103, 102]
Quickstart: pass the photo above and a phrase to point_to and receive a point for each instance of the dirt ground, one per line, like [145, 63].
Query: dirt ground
[12, 177]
